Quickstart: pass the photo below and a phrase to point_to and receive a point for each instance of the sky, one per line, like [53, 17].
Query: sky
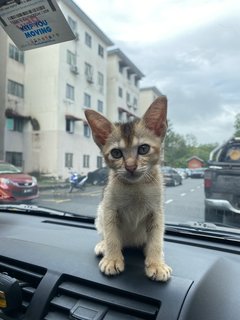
[188, 49]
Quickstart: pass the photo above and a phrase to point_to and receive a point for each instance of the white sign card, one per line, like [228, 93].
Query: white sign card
[35, 23]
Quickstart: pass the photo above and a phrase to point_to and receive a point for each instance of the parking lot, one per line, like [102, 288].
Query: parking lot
[182, 203]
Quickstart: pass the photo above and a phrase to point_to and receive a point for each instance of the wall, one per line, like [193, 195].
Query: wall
[195, 163]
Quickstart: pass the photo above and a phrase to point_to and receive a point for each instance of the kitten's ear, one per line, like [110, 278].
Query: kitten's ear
[155, 118]
[101, 127]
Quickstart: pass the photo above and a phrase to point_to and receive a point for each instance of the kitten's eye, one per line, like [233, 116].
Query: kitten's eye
[116, 153]
[143, 149]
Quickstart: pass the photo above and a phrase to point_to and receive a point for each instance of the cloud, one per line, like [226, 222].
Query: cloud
[189, 50]
[199, 73]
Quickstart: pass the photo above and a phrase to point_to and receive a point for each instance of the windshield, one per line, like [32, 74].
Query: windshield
[8, 168]
[125, 55]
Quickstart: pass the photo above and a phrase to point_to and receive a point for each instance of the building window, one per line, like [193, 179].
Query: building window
[120, 92]
[88, 40]
[71, 58]
[15, 158]
[86, 160]
[135, 102]
[89, 72]
[72, 23]
[16, 54]
[128, 97]
[120, 116]
[68, 160]
[99, 162]
[100, 106]
[86, 130]
[120, 68]
[87, 100]
[15, 124]
[100, 51]
[16, 89]
[69, 125]
[100, 82]
[69, 92]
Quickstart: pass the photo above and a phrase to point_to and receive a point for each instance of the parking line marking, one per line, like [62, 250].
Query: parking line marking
[56, 201]
[192, 190]
[183, 194]
[169, 201]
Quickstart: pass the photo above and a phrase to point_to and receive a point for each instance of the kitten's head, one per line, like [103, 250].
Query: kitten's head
[131, 149]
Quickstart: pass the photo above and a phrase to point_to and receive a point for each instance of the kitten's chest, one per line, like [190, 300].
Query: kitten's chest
[137, 199]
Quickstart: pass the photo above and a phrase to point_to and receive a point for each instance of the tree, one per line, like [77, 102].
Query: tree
[179, 148]
[175, 148]
[237, 125]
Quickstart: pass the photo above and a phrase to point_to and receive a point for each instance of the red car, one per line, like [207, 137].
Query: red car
[16, 186]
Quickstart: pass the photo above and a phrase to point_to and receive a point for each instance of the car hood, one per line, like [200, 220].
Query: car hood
[17, 177]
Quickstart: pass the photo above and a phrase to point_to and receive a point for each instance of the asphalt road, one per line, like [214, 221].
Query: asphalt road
[182, 203]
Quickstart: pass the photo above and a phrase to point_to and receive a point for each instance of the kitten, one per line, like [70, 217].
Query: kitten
[131, 212]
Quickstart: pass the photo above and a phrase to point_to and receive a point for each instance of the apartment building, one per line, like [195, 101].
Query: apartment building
[123, 79]
[43, 94]
[147, 96]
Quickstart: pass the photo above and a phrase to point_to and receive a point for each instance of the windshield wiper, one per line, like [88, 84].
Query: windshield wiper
[27, 208]
[204, 229]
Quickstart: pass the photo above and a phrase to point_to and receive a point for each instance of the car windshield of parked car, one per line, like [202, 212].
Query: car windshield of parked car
[124, 55]
[8, 168]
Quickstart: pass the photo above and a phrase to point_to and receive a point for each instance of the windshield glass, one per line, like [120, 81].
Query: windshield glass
[8, 168]
[125, 55]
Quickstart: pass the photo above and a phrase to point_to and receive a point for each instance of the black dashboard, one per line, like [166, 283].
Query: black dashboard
[54, 260]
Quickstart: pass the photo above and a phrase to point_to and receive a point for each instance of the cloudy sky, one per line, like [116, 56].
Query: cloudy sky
[189, 49]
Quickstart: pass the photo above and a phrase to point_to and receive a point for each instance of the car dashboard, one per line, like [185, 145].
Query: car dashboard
[53, 258]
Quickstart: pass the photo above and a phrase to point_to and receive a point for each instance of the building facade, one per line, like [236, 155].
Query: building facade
[147, 96]
[195, 162]
[56, 83]
[44, 93]
[123, 79]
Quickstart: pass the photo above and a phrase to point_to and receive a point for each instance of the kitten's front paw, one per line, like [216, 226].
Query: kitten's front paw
[158, 271]
[100, 248]
[111, 266]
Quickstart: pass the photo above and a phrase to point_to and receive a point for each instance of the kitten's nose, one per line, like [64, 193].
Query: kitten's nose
[130, 168]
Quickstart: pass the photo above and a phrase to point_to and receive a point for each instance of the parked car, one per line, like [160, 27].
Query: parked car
[183, 173]
[198, 173]
[98, 177]
[15, 185]
[171, 176]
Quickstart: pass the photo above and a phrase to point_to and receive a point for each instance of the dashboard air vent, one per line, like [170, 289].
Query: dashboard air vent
[29, 277]
[84, 300]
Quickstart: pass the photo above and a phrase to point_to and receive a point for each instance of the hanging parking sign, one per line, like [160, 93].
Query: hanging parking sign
[35, 23]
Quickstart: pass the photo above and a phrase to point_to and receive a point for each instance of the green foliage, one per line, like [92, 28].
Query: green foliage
[178, 149]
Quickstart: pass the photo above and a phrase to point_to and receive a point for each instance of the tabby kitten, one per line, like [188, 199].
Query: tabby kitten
[131, 212]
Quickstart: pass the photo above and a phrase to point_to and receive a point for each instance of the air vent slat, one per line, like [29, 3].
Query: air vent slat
[110, 298]
[64, 302]
[28, 290]
[21, 270]
[113, 315]
[56, 316]
[119, 304]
